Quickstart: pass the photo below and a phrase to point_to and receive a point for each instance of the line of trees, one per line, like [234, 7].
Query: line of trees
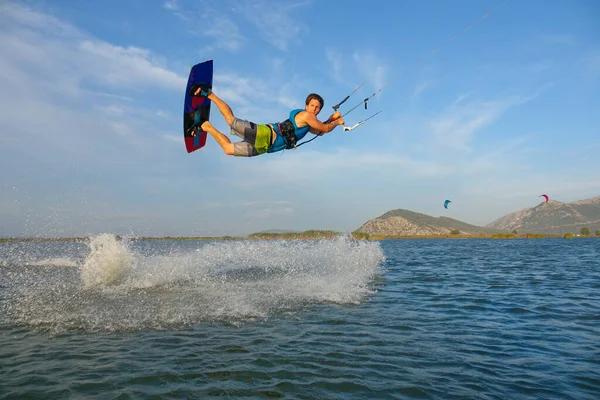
[585, 231]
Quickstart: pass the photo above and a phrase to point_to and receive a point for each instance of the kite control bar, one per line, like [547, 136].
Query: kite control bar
[349, 128]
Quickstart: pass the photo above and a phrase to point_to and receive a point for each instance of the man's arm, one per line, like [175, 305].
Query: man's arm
[318, 127]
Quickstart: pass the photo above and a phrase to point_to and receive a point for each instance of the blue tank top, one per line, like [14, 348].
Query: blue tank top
[279, 143]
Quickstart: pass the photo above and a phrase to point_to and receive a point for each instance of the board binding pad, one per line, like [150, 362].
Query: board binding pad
[196, 108]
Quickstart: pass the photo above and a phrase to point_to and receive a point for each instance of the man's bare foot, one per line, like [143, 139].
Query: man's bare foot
[206, 126]
[194, 130]
[200, 90]
[203, 127]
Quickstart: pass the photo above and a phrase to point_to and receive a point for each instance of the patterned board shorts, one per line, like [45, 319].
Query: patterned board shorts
[256, 138]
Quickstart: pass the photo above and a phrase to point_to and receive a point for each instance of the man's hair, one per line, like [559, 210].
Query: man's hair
[316, 97]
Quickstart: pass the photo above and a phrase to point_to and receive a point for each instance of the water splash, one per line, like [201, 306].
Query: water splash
[124, 285]
[108, 262]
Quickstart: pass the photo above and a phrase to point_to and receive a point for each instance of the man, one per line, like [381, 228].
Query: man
[265, 138]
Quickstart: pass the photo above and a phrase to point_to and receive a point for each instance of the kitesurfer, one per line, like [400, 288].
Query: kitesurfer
[265, 138]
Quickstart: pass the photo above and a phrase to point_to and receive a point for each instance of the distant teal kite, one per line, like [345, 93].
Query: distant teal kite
[446, 204]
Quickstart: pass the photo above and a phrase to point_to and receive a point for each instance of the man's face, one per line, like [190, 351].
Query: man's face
[313, 106]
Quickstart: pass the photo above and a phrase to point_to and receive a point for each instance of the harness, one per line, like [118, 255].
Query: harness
[287, 130]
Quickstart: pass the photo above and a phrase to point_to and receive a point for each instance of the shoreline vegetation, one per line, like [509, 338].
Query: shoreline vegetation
[319, 235]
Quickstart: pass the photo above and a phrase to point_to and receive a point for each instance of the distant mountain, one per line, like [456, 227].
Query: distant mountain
[409, 223]
[553, 217]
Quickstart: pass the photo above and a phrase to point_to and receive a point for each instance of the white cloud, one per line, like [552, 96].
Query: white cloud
[65, 58]
[257, 99]
[171, 5]
[126, 66]
[336, 61]
[275, 21]
[223, 30]
[111, 109]
[174, 139]
[58, 63]
[163, 114]
[370, 66]
[455, 129]
[74, 117]
[202, 19]
[420, 88]
[460, 98]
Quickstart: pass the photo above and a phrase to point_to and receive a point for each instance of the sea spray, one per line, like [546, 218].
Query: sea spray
[153, 285]
[108, 263]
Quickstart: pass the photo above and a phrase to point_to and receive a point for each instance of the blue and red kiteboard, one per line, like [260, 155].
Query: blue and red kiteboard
[196, 109]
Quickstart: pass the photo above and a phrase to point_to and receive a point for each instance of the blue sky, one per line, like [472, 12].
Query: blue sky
[92, 95]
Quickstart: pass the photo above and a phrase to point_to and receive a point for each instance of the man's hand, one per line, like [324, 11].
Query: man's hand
[335, 116]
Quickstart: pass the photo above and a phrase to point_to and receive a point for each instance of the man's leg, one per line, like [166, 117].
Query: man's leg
[221, 139]
[221, 105]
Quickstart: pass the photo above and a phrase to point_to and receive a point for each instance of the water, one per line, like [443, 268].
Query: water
[398, 319]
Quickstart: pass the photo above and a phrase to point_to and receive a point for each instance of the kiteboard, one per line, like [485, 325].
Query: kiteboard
[196, 109]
